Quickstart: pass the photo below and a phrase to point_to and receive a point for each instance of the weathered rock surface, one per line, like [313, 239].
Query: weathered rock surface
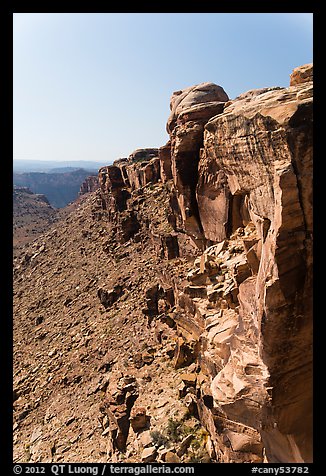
[173, 305]
[32, 215]
[109, 297]
[164, 154]
[190, 110]
[90, 184]
[302, 74]
[194, 103]
[149, 455]
[140, 168]
[139, 419]
[255, 171]
[113, 191]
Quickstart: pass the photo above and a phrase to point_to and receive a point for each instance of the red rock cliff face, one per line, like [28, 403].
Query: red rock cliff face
[239, 174]
[190, 110]
[90, 184]
[254, 191]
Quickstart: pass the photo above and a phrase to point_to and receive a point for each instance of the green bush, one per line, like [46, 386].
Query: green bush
[173, 429]
[159, 439]
[195, 459]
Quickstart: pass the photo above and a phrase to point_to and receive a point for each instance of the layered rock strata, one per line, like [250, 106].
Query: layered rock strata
[239, 174]
[198, 256]
[190, 110]
[255, 174]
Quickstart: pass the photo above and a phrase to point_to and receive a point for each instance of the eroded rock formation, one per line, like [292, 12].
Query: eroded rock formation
[255, 180]
[190, 110]
[223, 215]
[242, 189]
[261, 149]
[90, 184]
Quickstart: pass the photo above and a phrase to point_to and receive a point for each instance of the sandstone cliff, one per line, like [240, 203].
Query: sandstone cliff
[90, 184]
[242, 185]
[256, 172]
[204, 248]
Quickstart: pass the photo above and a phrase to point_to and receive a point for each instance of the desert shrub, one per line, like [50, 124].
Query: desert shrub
[194, 459]
[159, 439]
[174, 430]
[196, 444]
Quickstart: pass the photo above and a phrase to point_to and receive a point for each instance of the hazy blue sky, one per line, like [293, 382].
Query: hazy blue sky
[91, 86]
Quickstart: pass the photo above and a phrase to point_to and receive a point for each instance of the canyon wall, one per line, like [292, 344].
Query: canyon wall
[239, 176]
[60, 188]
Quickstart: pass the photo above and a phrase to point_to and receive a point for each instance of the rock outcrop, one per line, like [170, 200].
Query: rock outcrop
[241, 175]
[302, 74]
[190, 110]
[201, 259]
[254, 193]
[90, 184]
[164, 154]
[114, 193]
[140, 168]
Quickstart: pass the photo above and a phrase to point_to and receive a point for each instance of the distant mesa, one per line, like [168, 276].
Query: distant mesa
[63, 170]
[56, 166]
[60, 188]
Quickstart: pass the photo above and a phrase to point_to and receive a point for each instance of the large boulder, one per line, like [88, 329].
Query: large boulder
[198, 101]
[302, 74]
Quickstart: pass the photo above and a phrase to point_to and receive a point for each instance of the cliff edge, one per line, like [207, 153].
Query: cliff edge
[174, 304]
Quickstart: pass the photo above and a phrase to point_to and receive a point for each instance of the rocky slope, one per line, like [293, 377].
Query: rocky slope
[168, 317]
[83, 327]
[32, 215]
